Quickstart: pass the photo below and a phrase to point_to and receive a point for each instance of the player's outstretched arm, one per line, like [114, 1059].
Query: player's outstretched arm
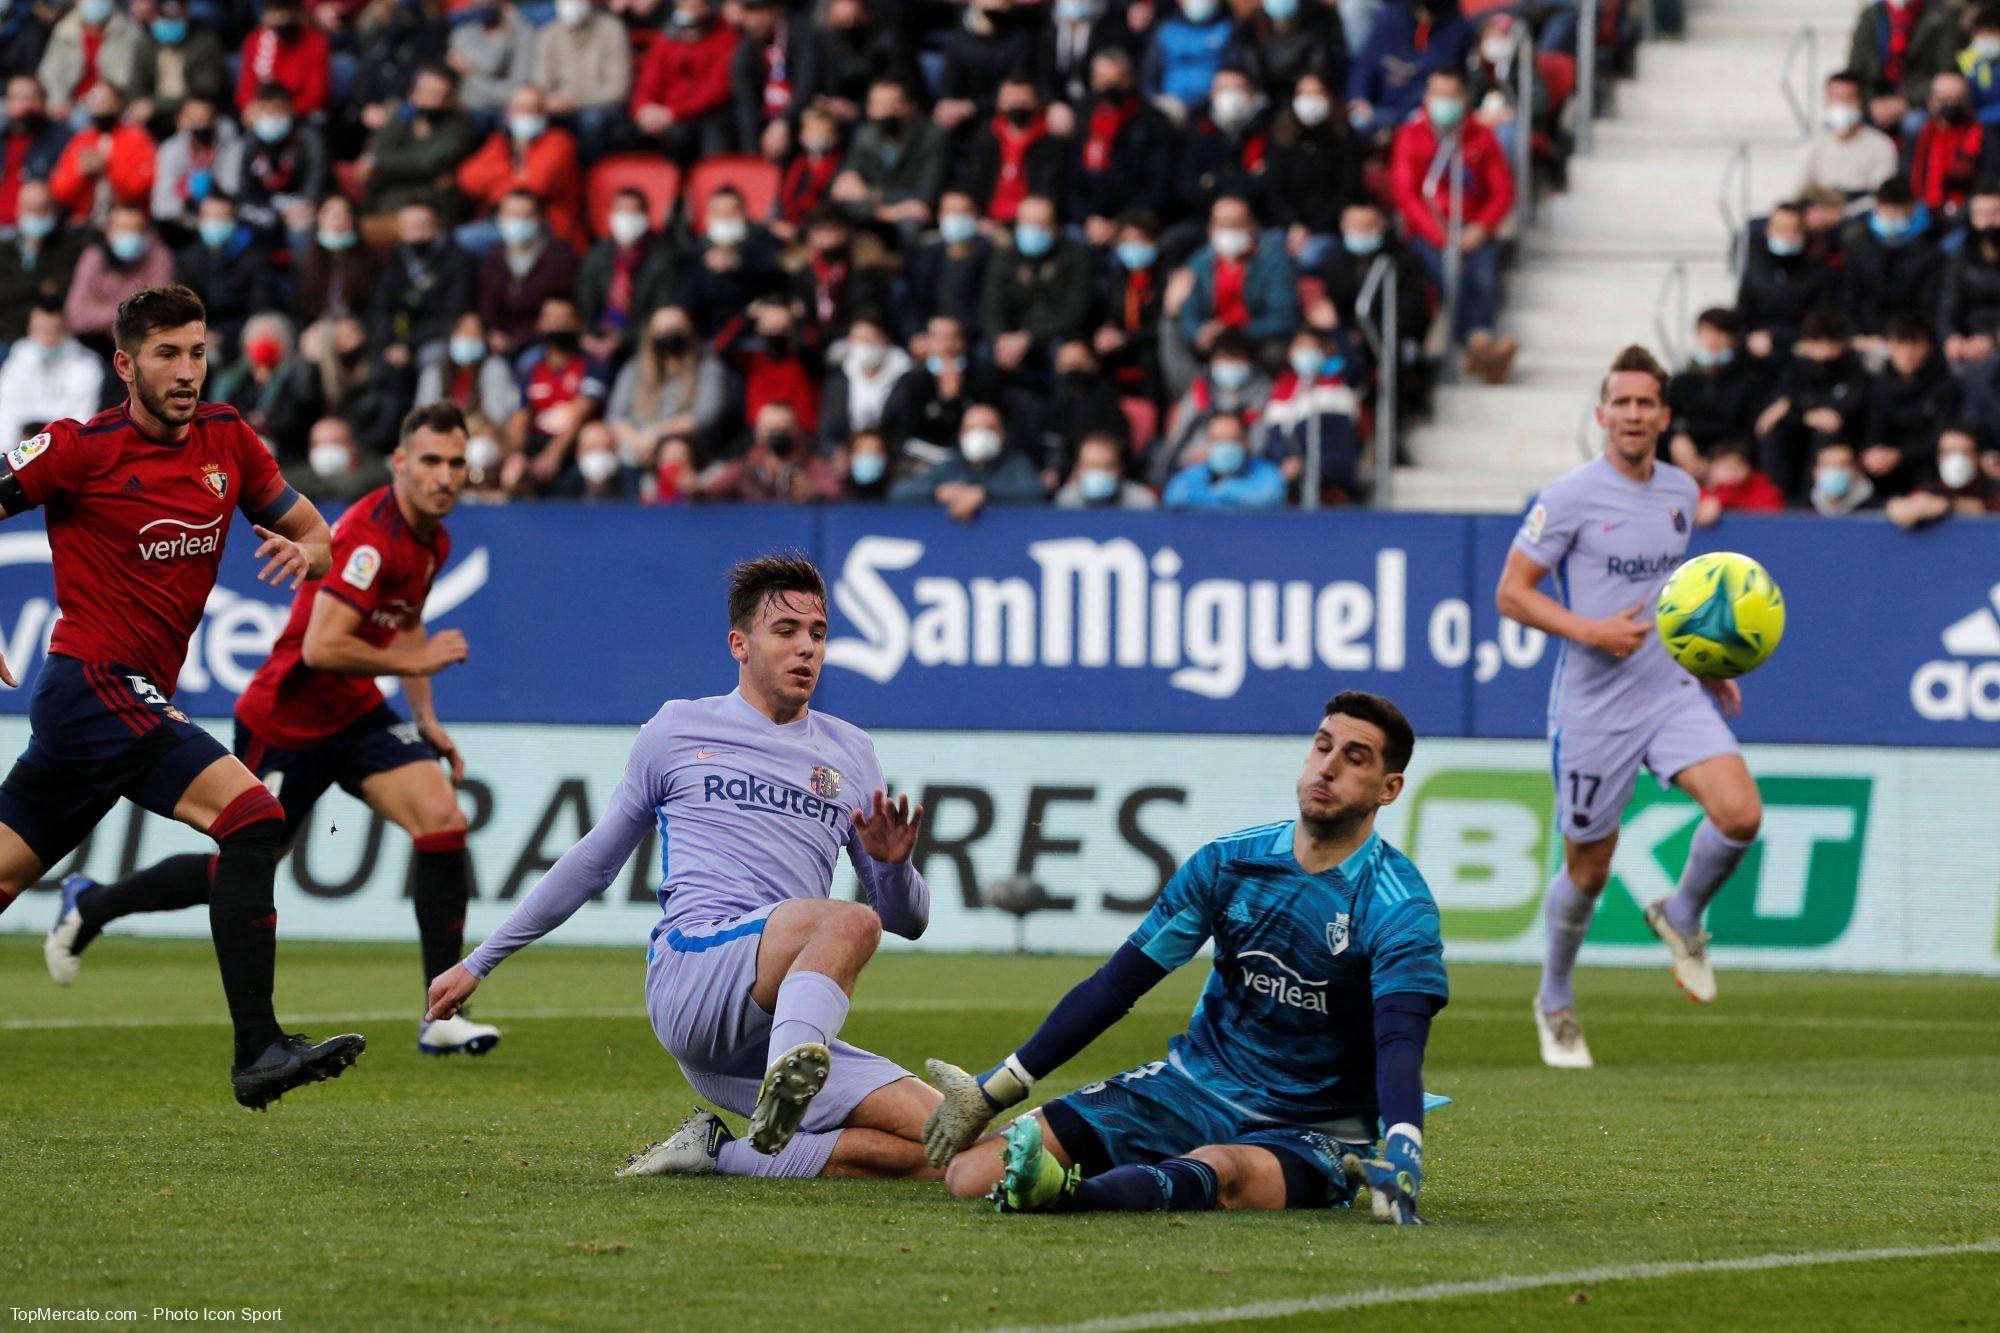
[1079, 1018]
[1520, 598]
[333, 642]
[1396, 1173]
[884, 839]
[297, 545]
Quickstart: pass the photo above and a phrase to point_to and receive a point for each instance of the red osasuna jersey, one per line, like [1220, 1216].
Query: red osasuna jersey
[384, 571]
[137, 525]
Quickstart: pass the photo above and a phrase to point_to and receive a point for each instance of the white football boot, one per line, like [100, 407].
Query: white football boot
[790, 1084]
[456, 1035]
[1692, 969]
[59, 946]
[1563, 1046]
[691, 1150]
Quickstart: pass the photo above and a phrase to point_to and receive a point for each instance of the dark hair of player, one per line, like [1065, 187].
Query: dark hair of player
[151, 309]
[1634, 360]
[443, 418]
[1374, 709]
[754, 582]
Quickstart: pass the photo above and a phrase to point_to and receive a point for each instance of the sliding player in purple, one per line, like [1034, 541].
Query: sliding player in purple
[1612, 531]
[750, 972]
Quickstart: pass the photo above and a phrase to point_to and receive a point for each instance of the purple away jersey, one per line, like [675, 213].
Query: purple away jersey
[1611, 541]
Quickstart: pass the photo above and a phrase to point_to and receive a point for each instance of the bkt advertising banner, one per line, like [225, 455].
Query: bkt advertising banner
[1047, 620]
[1872, 859]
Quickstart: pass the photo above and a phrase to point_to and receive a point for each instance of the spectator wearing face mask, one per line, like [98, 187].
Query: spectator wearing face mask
[733, 265]
[562, 391]
[1315, 169]
[527, 155]
[1955, 484]
[1493, 84]
[868, 467]
[1098, 480]
[845, 54]
[583, 67]
[1186, 50]
[426, 283]
[285, 169]
[1068, 47]
[1422, 190]
[807, 185]
[226, 267]
[1821, 395]
[1969, 296]
[1131, 293]
[47, 376]
[471, 378]
[1123, 152]
[1891, 266]
[1014, 154]
[676, 474]
[778, 463]
[203, 157]
[276, 389]
[413, 158]
[94, 42]
[680, 97]
[1904, 42]
[1839, 486]
[1226, 475]
[762, 76]
[370, 392]
[1312, 406]
[994, 40]
[1715, 398]
[31, 143]
[1366, 239]
[624, 277]
[1037, 291]
[1779, 285]
[336, 273]
[598, 473]
[927, 407]
[1847, 154]
[1910, 400]
[126, 257]
[946, 277]
[1945, 160]
[857, 392]
[1232, 385]
[982, 471]
[518, 277]
[335, 466]
[287, 51]
[38, 262]
[1889, 113]
[844, 272]
[1734, 485]
[1282, 41]
[1082, 402]
[106, 162]
[776, 364]
[1228, 149]
[1405, 46]
[184, 60]
[673, 387]
[895, 167]
[1241, 283]
[493, 52]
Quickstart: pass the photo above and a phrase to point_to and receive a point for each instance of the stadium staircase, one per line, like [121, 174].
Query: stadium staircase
[1590, 273]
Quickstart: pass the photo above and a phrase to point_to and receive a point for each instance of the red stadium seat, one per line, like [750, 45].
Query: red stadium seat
[653, 176]
[754, 178]
[1558, 75]
[1472, 9]
[1142, 420]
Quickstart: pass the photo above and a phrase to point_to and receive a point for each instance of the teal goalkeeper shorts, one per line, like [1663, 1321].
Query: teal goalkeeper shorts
[1155, 1112]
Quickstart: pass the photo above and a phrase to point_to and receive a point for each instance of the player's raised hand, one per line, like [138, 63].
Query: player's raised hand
[7, 674]
[1621, 635]
[284, 558]
[889, 831]
[449, 991]
[1728, 696]
[443, 649]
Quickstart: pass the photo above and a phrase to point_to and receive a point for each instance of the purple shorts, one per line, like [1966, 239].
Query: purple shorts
[698, 980]
[1595, 771]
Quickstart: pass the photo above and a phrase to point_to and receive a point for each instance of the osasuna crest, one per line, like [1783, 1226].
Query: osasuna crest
[825, 782]
[217, 479]
[1336, 934]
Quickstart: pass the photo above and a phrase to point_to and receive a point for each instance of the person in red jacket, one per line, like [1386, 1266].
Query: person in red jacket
[1421, 185]
[1735, 486]
[527, 153]
[681, 99]
[285, 49]
[106, 163]
[1944, 164]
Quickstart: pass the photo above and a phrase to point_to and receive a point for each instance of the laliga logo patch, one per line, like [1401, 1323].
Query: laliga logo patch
[27, 451]
[825, 782]
[362, 567]
[217, 479]
[1337, 934]
[1538, 518]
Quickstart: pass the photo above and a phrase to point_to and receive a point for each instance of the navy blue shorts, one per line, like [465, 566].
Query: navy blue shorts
[100, 731]
[375, 742]
[1154, 1112]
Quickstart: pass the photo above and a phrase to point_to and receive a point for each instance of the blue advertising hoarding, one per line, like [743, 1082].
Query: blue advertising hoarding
[1053, 620]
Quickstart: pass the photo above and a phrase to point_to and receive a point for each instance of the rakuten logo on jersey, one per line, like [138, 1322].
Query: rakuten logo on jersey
[1958, 691]
[1641, 567]
[1281, 984]
[173, 539]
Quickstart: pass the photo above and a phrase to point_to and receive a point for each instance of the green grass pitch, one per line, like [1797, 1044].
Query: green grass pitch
[1805, 1114]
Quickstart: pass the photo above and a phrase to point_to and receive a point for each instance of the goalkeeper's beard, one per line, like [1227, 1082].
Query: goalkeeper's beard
[1340, 824]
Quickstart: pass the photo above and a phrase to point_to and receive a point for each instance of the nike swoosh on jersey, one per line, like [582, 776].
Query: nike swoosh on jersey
[709, 754]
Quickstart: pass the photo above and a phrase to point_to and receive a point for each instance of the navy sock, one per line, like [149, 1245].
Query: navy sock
[1178, 1186]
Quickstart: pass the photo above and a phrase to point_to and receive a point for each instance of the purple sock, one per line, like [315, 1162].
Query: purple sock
[811, 1007]
[1711, 861]
[801, 1159]
[1566, 918]
[1179, 1185]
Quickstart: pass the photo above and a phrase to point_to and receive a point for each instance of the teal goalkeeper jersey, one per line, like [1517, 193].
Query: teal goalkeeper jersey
[1285, 1027]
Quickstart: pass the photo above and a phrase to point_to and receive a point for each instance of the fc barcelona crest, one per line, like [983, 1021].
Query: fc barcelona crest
[825, 782]
[1336, 934]
[217, 479]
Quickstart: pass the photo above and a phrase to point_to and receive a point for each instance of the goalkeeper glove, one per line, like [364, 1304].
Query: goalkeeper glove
[969, 1103]
[1395, 1177]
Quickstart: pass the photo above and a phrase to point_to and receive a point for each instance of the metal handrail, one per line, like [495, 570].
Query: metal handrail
[1673, 336]
[1736, 213]
[1453, 258]
[1586, 436]
[1586, 74]
[1385, 340]
[1804, 110]
[1524, 125]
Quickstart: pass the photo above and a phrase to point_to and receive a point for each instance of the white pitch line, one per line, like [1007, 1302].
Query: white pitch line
[1502, 1285]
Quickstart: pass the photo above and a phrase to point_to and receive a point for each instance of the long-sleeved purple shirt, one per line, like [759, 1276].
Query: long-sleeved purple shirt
[750, 813]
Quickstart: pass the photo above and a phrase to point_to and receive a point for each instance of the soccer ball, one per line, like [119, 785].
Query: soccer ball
[1720, 615]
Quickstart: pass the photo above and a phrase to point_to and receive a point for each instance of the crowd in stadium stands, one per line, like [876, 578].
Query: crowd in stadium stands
[1857, 371]
[1088, 252]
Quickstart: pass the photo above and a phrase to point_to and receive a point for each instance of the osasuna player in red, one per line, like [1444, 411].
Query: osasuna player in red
[138, 501]
[312, 717]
